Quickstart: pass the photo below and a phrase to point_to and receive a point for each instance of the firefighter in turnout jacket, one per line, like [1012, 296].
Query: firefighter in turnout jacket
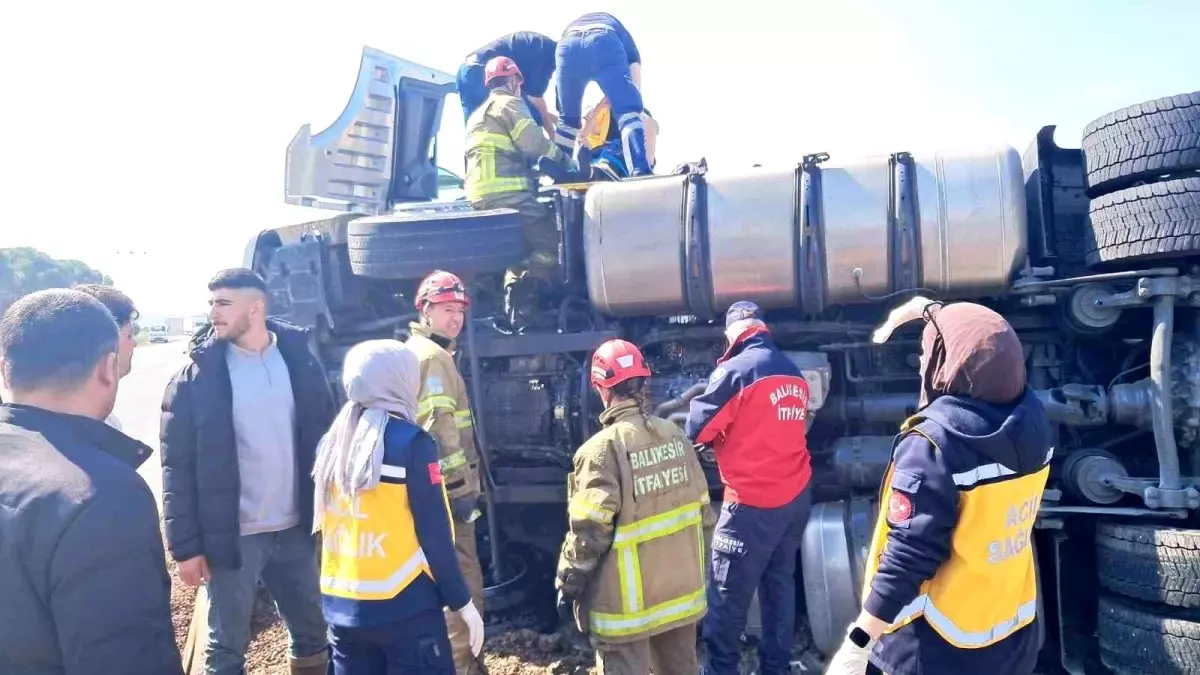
[632, 564]
[504, 144]
[754, 412]
[444, 410]
[388, 564]
[950, 584]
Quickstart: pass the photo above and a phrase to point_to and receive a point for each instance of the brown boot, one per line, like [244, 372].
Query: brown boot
[309, 665]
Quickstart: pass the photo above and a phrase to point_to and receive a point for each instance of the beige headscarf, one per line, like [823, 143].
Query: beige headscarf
[381, 377]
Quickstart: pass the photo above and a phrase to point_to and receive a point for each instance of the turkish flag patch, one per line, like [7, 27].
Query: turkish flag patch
[900, 509]
[435, 473]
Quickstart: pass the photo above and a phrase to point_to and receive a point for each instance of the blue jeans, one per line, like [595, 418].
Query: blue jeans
[472, 93]
[286, 563]
[416, 645]
[753, 549]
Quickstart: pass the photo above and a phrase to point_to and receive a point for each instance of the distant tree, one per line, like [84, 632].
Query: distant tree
[25, 270]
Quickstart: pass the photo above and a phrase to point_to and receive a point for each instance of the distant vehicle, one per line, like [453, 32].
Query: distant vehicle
[158, 334]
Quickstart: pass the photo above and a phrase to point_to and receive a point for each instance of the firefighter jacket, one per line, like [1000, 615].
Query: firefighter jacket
[444, 410]
[634, 557]
[388, 553]
[503, 143]
[951, 562]
[754, 413]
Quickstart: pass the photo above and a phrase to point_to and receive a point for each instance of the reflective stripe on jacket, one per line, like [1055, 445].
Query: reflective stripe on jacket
[444, 409]
[637, 505]
[503, 143]
[370, 548]
[952, 545]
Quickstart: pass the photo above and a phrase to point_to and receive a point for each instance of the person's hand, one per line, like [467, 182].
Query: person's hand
[464, 507]
[194, 571]
[470, 616]
[850, 659]
[564, 607]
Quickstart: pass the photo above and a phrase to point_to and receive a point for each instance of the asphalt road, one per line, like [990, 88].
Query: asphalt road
[139, 400]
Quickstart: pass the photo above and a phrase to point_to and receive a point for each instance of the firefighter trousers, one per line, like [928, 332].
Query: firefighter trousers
[669, 653]
[538, 229]
[754, 549]
[468, 562]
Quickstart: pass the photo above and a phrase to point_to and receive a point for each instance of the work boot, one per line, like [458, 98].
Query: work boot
[309, 665]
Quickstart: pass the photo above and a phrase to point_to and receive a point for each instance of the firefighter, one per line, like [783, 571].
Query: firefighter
[444, 410]
[598, 47]
[754, 413]
[504, 143]
[387, 562]
[632, 565]
[950, 584]
[534, 55]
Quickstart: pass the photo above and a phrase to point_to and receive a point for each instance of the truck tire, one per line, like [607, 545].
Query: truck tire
[413, 244]
[1149, 562]
[1160, 220]
[1144, 140]
[1137, 639]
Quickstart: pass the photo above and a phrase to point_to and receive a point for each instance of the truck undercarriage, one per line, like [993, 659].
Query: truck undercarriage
[1091, 254]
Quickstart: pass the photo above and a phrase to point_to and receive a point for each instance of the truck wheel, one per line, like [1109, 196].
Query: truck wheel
[1144, 140]
[1136, 639]
[1149, 562]
[1160, 220]
[413, 244]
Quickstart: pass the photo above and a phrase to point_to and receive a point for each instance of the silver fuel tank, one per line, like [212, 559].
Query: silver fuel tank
[826, 233]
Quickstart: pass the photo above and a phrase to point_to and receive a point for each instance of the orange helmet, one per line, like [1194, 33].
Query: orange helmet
[616, 361]
[440, 287]
[501, 66]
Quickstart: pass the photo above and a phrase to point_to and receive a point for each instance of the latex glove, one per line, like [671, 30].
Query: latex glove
[463, 507]
[474, 622]
[564, 607]
[850, 659]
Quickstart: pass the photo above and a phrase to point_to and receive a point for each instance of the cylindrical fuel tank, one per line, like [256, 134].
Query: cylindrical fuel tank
[826, 233]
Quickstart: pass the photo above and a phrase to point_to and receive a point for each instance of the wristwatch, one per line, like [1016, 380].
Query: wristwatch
[858, 637]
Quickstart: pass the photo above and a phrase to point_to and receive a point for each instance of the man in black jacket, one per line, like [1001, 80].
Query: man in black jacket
[83, 580]
[240, 427]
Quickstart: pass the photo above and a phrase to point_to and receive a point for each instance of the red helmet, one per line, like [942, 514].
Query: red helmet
[501, 66]
[616, 361]
[439, 287]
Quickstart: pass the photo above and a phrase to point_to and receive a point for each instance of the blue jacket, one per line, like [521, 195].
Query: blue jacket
[83, 579]
[969, 434]
[407, 445]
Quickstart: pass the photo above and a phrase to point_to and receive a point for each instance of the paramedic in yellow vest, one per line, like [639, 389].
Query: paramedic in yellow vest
[444, 410]
[950, 584]
[632, 565]
[504, 144]
[387, 562]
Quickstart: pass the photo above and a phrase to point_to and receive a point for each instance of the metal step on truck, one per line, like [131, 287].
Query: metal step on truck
[1092, 254]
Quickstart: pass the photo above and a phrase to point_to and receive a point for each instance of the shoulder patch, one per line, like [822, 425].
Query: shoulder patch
[435, 473]
[900, 509]
[433, 385]
[716, 375]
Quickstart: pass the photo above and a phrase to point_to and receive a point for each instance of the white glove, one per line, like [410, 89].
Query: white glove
[850, 659]
[474, 622]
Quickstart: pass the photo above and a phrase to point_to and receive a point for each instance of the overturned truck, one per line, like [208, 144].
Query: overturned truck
[1090, 253]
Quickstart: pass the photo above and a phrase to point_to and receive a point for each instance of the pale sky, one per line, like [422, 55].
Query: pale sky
[147, 138]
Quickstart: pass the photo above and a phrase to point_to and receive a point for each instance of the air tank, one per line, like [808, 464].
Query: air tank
[826, 233]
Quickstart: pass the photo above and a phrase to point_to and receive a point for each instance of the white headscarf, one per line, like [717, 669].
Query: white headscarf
[380, 377]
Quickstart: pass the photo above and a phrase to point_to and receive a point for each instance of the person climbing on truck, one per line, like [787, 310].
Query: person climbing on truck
[940, 598]
[504, 143]
[444, 410]
[534, 55]
[388, 563]
[632, 564]
[598, 47]
[754, 413]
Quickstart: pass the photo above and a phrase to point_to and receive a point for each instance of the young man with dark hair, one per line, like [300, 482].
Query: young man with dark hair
[240, 428]
[83, 578]
[125, 313]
